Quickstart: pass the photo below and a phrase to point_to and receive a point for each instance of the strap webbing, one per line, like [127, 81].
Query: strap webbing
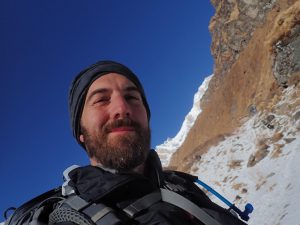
[76, 202]
[173, 198]
[94, 211]
[97, 211]
[142, 203]
[185, 204]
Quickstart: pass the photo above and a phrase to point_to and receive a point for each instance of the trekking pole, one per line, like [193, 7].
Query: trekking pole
[243, 214]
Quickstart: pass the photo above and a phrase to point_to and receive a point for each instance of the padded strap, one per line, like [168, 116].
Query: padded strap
[185, 204]
[142, 203]
[76, 202]
[173, 198]
[94, 211]
[97, 211]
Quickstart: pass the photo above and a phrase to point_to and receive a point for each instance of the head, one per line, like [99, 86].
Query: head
[110, 116]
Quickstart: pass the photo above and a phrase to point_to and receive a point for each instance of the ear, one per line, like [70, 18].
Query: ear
[81, 138]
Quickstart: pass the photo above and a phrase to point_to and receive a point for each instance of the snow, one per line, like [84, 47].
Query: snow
[270, 184]
[166, 149]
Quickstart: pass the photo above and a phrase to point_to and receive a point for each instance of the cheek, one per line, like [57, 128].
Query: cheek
[141, 116]
[94, 119]
[99, 120]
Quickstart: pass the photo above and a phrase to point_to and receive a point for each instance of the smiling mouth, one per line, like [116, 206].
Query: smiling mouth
[122, 129]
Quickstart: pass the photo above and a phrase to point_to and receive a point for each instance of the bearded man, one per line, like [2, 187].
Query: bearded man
[125, 182]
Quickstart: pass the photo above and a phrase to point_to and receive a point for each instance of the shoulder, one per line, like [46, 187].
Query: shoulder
[36, 209]
[180, 176]
[184, 184]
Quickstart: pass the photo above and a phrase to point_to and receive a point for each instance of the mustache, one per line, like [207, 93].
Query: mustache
[126, 122]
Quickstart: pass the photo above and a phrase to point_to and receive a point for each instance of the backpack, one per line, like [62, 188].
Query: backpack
[63, 205]
[37, 208]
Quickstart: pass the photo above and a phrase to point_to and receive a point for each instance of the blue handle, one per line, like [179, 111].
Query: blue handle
[214, 192]
[243, 214]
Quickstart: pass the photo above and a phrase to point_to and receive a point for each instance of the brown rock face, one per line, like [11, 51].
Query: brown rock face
[232, 28]
[256, 48]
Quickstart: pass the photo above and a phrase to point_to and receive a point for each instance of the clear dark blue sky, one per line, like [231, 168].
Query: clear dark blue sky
[43, 44]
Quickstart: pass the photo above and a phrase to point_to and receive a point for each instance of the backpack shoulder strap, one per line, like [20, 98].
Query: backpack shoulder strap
[173, 198]
[25, 213]
[187, 205]
[143, 203]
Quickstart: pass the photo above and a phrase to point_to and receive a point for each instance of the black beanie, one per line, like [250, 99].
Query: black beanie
[83, 81]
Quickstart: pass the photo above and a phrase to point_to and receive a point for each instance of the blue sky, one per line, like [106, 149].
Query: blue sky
[44, 44]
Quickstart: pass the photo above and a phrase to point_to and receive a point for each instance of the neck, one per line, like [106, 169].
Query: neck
[139, 169]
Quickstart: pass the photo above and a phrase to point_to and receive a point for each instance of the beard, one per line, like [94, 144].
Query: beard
[121, 152]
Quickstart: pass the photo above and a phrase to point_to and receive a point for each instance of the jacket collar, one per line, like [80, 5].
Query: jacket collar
[94, 183]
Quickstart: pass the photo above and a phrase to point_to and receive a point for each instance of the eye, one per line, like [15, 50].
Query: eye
[101, 100]
[132, 97]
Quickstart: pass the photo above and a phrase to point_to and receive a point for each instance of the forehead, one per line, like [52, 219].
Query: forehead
[111, 81]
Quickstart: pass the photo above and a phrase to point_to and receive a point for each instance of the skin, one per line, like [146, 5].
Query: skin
[110, 98]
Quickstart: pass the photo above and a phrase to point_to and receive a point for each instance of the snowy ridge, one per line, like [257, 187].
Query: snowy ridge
[259, 164]
[166, 149]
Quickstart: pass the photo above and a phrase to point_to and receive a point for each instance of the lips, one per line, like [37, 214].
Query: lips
[122, 129]
[121, 125]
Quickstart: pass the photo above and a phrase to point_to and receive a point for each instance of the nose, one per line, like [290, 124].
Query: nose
[120, 108]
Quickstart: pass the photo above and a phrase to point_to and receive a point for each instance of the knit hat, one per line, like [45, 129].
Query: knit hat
[83, 81]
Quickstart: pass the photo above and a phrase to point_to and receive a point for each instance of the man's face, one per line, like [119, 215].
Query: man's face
[114, 123]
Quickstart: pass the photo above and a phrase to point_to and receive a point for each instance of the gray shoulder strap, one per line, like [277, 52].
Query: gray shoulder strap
[173, 198]
[185, 204]
[77, 206]
[142, 203]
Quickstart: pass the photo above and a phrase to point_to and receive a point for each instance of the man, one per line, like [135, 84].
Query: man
[125, 183]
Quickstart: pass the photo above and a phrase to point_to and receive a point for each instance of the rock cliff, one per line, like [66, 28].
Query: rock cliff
[256, 50]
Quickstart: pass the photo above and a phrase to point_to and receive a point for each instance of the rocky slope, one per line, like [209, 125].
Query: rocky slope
[256, 48]
[246, 141]
[259, 163]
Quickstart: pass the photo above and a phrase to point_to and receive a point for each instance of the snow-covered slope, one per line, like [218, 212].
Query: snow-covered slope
[259, 163]
[166, 149]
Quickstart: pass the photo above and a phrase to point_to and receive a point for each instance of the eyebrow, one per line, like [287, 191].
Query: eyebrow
[132, 88]
[96, 91]
[105, 90]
